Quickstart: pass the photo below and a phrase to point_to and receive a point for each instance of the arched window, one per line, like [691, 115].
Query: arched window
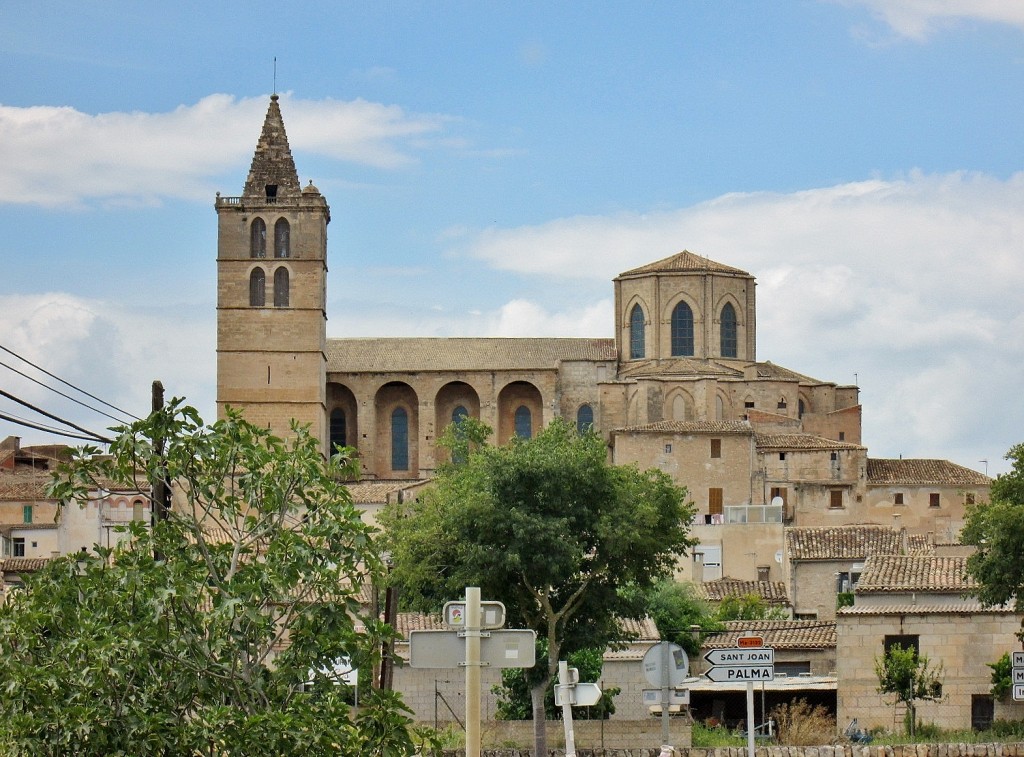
[719, 409]
[584, 419]
[682, 330]
[281, 287]
[636, 333]
[728, 330]
[282, 239]
[339, 430]
[257, 288]
[258, 239]
[399, 439]
[523, 422]
[458, 415]
[800, 409]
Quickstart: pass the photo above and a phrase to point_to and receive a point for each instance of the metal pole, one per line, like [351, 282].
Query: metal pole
[750, 719]
[563, 683]
[472, 671]
[665, 681]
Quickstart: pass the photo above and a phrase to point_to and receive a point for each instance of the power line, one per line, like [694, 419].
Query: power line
[68, 384]
[62, 394]
[57, 418]
[49, 429]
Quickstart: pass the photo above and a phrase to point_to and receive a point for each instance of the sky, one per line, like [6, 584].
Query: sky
[491, 167]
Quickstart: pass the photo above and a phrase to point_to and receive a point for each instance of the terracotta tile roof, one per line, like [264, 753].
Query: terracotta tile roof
[773, 592]
[719, 428]
[769, 370]
[376, 492]
[959, 606]
[26, 484]
[373, 355]
[684, 262]
[939, 472]
[800, 442]
[914, 573]
[22, 564]
[850, 542]
[780, 634]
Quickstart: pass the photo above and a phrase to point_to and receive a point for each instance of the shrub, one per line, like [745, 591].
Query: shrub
[800, 724]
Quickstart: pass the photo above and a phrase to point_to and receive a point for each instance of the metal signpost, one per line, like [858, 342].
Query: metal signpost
[748, 661]
[666, 666]
[571, 693]
[1018, 676]
[474, 647]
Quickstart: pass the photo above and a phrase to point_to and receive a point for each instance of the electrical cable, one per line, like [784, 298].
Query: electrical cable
[51, 416]
[62, 394]
[67, 383]
[39, 427]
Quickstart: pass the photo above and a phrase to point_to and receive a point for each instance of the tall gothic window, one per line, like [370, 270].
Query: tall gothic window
[728, 330]
[339, 431]
[399, 439]
[682, 330]
[584, 419]
[281, 287]
[459, 414]
[523, 422]
[282, 239]
[636, 333]
[258, 239]
[257, 288]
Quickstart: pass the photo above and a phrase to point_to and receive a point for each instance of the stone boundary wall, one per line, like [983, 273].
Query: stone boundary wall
[1014, 749]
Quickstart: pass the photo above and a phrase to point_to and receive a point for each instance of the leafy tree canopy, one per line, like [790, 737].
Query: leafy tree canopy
[996, 528]
[548, 527]
[205, 647]
[909, 677]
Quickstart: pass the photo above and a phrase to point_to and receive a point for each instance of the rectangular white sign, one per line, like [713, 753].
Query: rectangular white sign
[675, 696]
[742, 674]
[1018, 692]
[1018, 675]
[737, 656]
[1018, 659]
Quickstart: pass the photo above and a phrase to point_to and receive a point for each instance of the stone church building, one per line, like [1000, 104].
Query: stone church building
[679, 386]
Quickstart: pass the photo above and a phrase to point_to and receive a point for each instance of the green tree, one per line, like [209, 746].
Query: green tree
[748, 607]
[1002, 676]
[909, 677]
[209, 646]
[676, 607]
[996, 528]
[550, 528]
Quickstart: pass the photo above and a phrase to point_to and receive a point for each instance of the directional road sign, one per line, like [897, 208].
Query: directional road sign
[735, 656]
[580, 694]
[654, 665]
[1018, 659]
[742, 674]
[1018, 675]
[750, 641]
[447, 649]
[1018, 692]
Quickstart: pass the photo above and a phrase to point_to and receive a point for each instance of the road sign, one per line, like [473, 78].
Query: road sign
[580, 694]
[492, 615]
[750, 641]
[675, 696]
[1018, 659]
[744, 674]
[447, 649]
[1018, 675]
[1018, 692]
[736, 656]
[678, 665]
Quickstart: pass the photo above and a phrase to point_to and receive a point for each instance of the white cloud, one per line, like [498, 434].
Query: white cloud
[58, 155]
[918, 19]
[107, 350]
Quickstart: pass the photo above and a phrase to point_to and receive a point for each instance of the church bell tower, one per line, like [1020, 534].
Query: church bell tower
[271, 292]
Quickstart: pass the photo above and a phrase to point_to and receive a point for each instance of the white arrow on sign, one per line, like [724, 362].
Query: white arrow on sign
[737, 656]
[745, 673]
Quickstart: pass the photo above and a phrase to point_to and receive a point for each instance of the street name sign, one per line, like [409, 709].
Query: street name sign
[1018, 659]
[747, 673]
[1018, 675]
[447, 649]
[1018, 692]
[735, 656]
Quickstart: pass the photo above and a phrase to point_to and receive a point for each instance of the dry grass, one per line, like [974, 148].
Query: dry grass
[799, 724]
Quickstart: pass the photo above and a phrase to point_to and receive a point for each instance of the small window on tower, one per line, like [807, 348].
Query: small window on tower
[271, 191]
[258, 239]
[281, 287]
[257, 288]
[282, 239]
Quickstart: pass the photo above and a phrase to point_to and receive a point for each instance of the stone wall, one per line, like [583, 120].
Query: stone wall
[1014, 749]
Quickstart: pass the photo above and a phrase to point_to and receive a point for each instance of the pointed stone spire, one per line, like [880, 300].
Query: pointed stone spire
[272, 173]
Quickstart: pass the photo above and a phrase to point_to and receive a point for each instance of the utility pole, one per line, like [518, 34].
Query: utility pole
[161, 502]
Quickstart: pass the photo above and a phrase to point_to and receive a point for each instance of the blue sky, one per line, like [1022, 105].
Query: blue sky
[492, 166]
